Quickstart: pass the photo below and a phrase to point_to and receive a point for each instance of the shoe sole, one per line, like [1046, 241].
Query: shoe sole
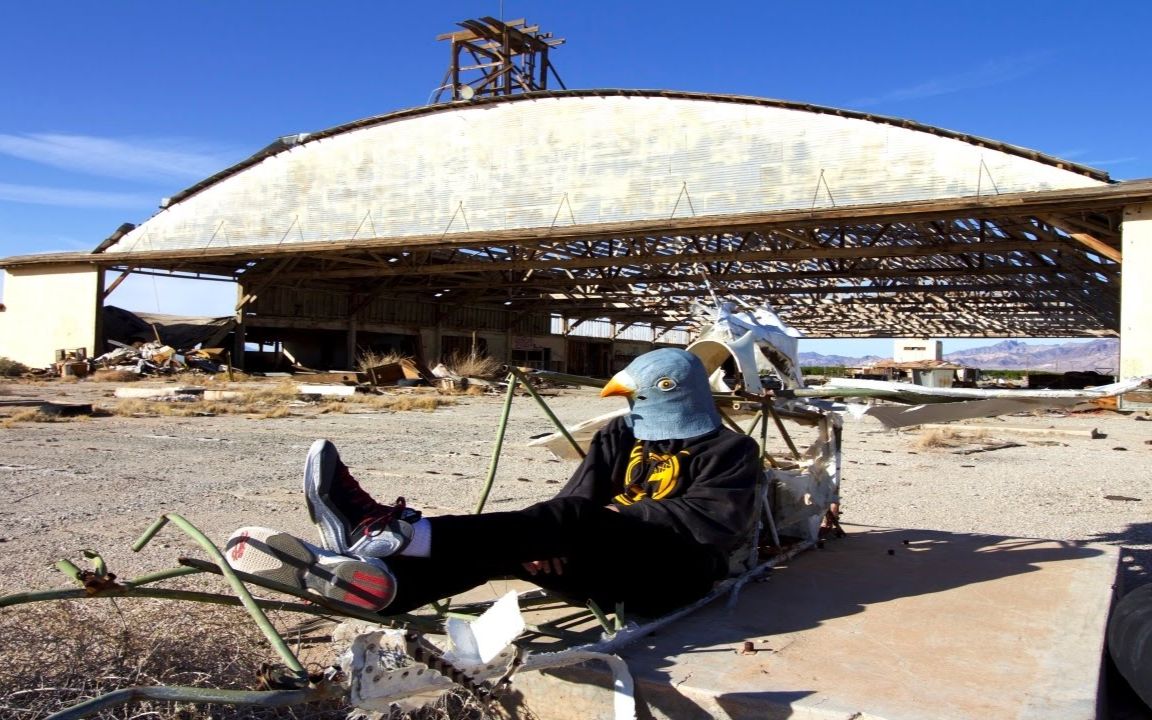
[282, 558]
[318, 478]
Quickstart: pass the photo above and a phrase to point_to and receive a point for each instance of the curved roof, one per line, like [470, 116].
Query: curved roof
[583, 158]
[616, 203]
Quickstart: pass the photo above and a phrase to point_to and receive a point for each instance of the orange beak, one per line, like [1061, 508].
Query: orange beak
[620, 384]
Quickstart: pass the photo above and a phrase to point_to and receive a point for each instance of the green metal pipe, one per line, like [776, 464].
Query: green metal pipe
[500, 430]
[246, 598]
[324, 606]
[547, 411]
[161, 575]
[268, 698]
[127, 591]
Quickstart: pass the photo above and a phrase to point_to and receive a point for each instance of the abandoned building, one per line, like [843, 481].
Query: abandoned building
[573, 229]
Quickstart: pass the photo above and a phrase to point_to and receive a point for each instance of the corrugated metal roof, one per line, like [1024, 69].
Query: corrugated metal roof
[582, 158]
[285, 143]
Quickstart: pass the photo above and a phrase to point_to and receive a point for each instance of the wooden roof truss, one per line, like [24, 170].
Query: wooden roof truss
[990, 276]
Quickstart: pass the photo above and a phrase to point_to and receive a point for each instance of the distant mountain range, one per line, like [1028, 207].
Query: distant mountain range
[1100, 355]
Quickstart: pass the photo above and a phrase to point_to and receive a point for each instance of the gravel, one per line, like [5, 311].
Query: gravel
[99, 482]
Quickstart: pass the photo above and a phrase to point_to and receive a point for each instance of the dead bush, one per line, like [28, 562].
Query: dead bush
[403, 403]
[283, 390]
[474, 365]
[947, 437]
[11, 368]
[937, 438]
[57, 654]
[34, 415]
[113, 375]
[370, 358]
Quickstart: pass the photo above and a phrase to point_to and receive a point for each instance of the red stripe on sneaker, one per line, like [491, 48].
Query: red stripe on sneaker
[354, 599]
[369, 591]
[241, 544]
[361, 576]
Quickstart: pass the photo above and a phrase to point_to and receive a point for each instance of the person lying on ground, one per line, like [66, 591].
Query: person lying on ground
[648, 518]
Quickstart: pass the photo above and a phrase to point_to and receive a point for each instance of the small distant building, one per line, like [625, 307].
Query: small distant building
[929, 373]
[916, 349]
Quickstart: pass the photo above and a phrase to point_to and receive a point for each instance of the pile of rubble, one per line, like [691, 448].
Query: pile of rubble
[156, 358]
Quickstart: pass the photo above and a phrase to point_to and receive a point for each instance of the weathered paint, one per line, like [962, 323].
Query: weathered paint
[48, 309]
[1136, 296]
[562, 160]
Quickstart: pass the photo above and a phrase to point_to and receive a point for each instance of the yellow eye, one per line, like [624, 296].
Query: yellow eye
[666, 384]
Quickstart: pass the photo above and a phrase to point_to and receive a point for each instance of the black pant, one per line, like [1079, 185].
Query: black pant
[611, 557]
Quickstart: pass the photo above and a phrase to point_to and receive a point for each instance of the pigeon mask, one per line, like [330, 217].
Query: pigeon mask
[668, 392]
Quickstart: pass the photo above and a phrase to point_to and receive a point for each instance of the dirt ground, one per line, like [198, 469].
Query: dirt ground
[99, 482]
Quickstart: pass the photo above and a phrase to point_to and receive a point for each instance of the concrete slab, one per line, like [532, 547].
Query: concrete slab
[893, 624]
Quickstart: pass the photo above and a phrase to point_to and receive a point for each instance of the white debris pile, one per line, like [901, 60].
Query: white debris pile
[156, 358]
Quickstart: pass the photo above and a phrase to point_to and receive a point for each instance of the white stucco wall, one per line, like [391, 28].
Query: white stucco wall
[1136, 293]
[913, 349]
[47, 310]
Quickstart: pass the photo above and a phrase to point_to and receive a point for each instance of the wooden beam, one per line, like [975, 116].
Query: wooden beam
[115, 284]
[1095, 245]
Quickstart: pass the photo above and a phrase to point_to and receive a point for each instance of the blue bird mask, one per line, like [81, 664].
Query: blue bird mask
[668, 392]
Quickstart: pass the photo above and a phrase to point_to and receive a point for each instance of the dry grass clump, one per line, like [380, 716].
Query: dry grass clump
[113, 375]
[404, 403]
[57, 654]
[370, 359]
[197, 408]
[35, 415]
[281, 391]
[947, 437]
[393, 403]
[474, 365]
[11, 368]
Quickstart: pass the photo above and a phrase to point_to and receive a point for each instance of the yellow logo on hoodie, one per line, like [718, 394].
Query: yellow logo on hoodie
[650, 475]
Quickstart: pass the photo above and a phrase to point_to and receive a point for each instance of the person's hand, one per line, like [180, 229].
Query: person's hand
[555, 565]
[613, 508]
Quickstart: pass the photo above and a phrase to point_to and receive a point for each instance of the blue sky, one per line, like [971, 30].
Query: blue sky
[109, 107]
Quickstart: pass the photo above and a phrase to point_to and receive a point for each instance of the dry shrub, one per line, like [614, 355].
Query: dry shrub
[370, 359]
[34, 415]
[131, 407]
[283, 390]
[57, 654]
[333, 406]
[947, 437]
[937, 438]
[403, 403]
[11, 368]
[280, 411]
[473, 365]
[113, 375]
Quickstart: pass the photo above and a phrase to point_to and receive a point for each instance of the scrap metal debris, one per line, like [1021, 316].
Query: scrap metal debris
[156, 358]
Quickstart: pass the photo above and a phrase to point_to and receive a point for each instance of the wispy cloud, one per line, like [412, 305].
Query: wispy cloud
[988, 73]
[1111, 161]
[154, 160]
[66, 197]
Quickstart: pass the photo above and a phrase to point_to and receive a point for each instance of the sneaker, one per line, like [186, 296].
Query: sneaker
[280, 557]
[350, 522]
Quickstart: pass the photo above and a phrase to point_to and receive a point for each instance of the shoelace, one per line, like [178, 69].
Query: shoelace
[383, 517]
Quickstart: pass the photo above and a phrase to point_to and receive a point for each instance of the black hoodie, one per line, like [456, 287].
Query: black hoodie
[703, 486]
